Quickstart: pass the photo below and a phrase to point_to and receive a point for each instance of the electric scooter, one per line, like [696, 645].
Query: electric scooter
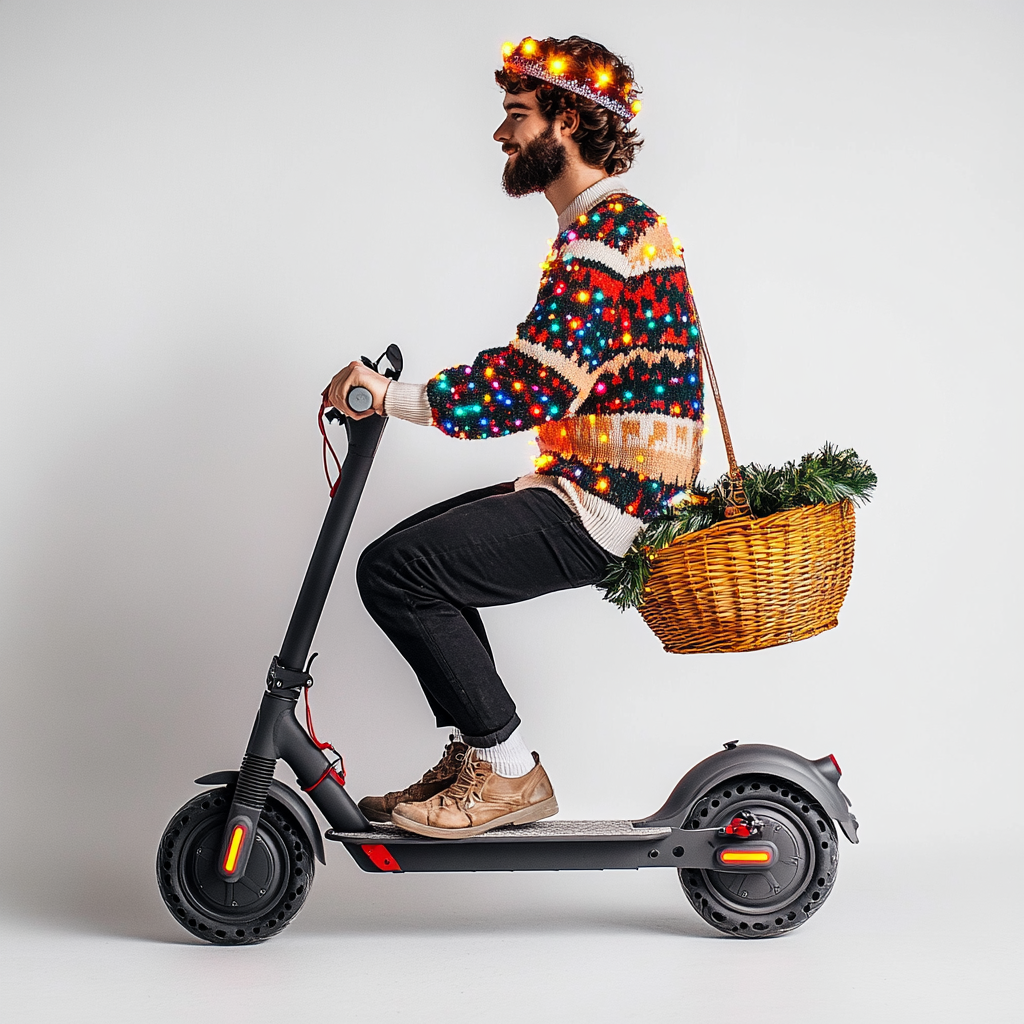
[751, 829]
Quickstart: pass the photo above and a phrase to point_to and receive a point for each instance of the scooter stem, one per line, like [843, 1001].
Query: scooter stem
[276, 734]
[363, 438]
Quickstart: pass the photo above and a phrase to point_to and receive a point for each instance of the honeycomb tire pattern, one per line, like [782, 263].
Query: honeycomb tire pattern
[764, 905]
[258, 906]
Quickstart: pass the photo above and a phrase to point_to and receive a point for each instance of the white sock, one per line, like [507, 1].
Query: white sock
[511, 759]
[456, 735]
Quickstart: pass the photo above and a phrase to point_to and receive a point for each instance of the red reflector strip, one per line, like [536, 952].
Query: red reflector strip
[380, 857]
[744, 855]
[832, 758]
[231, 857]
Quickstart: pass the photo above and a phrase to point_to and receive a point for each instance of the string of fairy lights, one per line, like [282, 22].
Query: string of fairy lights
[603, 83]
[586, 314]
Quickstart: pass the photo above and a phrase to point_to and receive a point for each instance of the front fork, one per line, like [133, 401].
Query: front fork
[277, 735]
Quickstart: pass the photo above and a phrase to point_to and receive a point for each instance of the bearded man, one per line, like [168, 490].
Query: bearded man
[605, 368]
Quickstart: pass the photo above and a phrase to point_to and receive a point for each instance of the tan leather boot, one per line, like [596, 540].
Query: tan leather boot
[441, 776]
[477, 801]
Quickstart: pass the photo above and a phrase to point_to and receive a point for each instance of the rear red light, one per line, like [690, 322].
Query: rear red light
[832, 758]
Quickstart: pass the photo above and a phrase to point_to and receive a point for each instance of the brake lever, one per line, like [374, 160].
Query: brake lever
[393, 354]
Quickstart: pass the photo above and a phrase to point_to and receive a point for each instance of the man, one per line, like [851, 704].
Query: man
[605, 369]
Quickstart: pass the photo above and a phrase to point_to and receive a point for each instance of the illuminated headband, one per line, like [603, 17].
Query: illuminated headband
[561, 70]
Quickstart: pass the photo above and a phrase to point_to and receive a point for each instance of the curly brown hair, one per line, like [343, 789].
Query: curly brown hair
[603, 137]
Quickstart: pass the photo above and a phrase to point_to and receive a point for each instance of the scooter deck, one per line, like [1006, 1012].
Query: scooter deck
[541, 846]
[538, 831]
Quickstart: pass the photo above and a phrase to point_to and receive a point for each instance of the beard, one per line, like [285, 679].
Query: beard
[537, 165]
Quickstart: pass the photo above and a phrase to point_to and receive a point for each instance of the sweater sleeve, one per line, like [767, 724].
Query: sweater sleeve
[408, 402]
[539, 375]
[502, 391]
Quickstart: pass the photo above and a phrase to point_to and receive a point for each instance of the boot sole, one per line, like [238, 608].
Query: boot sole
[535, 812]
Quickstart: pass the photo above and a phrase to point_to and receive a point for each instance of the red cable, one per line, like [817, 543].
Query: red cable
[309, 726]
[330, 770]
[338, 777]
[328, 447]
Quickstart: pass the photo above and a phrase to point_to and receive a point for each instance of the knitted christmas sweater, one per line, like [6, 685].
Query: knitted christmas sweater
[605, 369]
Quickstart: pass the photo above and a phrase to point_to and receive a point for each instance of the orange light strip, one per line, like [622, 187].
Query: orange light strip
[745, 856]
[231, 859]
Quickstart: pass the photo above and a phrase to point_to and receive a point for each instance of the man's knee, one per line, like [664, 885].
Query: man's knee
[372, 574]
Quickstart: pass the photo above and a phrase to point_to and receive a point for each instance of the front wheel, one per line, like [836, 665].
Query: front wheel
[765, 903]
[256, 906]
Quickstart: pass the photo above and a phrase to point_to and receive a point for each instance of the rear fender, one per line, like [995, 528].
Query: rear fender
[757, 759]
[294, 804]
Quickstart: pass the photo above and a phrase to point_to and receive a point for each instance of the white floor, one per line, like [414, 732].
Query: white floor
[924, 941]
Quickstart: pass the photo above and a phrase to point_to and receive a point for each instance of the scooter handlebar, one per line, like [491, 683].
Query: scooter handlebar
[358, 399]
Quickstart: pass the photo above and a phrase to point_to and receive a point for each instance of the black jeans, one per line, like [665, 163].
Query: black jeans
[424, 580]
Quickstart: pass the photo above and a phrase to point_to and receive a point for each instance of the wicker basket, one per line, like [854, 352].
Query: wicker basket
[751, 583]
[748, 583]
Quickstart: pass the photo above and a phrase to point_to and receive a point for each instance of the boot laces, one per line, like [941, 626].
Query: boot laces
[442, 770]
[444, 767]
[466, 789]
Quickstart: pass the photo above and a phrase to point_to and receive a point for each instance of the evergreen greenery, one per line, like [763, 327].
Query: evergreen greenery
[819, 478]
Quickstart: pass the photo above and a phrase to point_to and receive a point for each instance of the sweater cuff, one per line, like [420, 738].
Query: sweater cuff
[408, 402]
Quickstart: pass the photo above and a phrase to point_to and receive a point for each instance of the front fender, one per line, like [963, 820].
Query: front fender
[755, 759]
[283, 795]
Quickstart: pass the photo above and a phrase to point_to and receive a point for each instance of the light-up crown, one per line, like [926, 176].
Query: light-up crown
[606, 84]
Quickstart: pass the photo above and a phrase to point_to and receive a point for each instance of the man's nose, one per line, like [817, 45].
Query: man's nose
[501, 133]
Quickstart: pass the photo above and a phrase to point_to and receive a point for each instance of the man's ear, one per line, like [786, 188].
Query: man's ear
[569, 120]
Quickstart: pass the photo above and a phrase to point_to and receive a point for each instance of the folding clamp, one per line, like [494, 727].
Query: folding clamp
[280, 677]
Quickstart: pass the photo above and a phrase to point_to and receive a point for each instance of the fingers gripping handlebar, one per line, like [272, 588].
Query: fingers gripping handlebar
[359, 399]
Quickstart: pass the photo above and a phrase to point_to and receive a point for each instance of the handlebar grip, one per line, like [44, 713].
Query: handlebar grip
[359, 399]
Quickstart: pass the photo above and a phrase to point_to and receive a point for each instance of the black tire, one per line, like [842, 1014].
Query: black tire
[264, 901]
[765, 904]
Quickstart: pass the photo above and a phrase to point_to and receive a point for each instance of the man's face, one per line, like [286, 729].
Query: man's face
[536, 156]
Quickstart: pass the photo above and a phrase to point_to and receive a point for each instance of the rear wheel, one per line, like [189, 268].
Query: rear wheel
[256, 906]
[765, 903]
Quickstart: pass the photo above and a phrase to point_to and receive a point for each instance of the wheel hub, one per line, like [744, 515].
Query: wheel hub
[256, 891]
[765, 891]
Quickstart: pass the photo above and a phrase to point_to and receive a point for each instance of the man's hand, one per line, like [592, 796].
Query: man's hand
[357, 375]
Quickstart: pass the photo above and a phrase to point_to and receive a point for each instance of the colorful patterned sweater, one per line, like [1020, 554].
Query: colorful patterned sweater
[605, 369]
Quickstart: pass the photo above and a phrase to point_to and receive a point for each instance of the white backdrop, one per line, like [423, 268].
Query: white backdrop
[207, 208]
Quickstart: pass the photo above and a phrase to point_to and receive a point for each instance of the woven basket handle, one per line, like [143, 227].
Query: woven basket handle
[736, 504]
